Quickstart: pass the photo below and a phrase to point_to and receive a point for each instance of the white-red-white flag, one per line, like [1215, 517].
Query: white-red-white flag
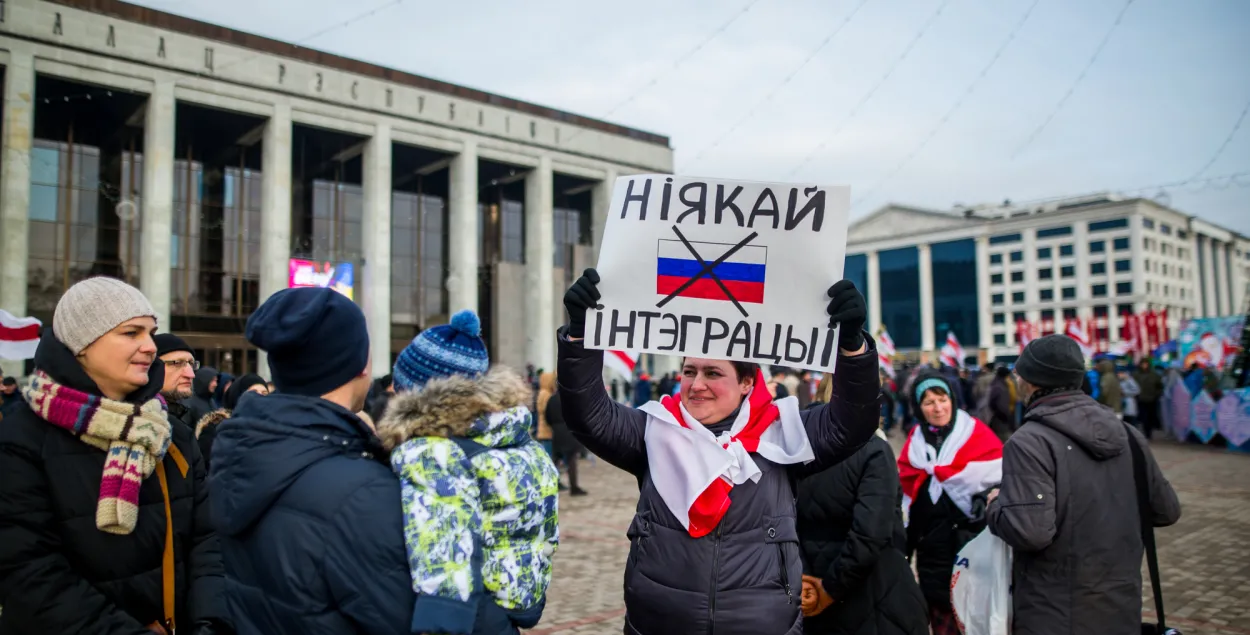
[1025, 332]
[885, 353]
[19, 337]
[952, 352]
[622, 362]
[1076, 330]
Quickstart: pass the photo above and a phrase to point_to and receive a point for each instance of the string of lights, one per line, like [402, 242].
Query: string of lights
[1075, 83]
[784, 82]
[898, 61]
[985, 70]
[674, 66]
[1227, 140]
[368, 13]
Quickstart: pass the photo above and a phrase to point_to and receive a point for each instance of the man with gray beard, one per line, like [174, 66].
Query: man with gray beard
[180, 367]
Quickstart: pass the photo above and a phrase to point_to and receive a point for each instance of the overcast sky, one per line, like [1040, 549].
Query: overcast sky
[763, 99]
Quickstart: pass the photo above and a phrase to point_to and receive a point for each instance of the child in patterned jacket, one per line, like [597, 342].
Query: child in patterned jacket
[479, 494]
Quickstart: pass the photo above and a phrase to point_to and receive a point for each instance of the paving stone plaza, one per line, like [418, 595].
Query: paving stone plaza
[1205, 557]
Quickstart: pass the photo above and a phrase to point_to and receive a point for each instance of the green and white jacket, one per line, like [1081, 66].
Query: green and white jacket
[480, 500]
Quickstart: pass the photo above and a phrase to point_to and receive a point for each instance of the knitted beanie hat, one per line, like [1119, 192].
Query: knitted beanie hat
[1054, 361]
[452, 349]
[93, 307]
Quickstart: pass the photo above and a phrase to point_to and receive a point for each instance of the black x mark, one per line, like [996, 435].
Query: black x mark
[708, 269]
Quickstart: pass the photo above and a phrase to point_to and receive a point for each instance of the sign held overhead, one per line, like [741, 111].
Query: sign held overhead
[720, 269]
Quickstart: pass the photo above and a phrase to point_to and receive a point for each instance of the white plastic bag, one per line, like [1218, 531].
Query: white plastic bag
[981, 586]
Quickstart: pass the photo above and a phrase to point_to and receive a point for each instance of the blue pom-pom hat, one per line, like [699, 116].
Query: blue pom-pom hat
[452, 349]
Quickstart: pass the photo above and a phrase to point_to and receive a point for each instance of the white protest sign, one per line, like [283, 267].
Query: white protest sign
[716, 269]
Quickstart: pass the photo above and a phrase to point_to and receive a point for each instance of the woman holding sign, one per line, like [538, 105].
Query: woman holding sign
[713, 545]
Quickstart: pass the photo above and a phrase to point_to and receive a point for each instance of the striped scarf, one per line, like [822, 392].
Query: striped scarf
[133, 436]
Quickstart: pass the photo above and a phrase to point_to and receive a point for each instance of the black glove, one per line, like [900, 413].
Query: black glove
[848, 309]
[583, 295]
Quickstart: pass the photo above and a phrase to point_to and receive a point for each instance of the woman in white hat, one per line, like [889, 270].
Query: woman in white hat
[103, 504]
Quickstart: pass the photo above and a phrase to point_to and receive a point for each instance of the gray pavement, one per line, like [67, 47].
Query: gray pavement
[1205, 557]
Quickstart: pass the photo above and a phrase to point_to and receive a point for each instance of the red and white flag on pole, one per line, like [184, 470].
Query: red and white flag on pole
[885, 353]
[952, 352]
[1076, 330]
[622, 362]
[19, 337]
[1025, 332]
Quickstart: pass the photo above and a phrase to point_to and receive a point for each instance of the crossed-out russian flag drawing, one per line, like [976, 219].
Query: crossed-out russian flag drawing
[742, 273]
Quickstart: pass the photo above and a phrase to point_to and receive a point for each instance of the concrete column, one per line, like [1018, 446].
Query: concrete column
[985, 312]
[462, 230]
[19, 123]
[540, 323]
[158, 201]
[601, 200]
[926, 299]
[1210, 298]
[377, 247]
[1223, 279]
[275, 219]
[1139, 253]
[874, 292]
[1080, 244]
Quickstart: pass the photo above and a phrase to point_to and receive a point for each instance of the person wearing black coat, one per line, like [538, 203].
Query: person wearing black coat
[563, 442]
[851, 534]
[303, 494]
[68, 567]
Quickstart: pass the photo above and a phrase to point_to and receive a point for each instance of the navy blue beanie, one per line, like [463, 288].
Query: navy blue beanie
[316, 339]
[442, 351]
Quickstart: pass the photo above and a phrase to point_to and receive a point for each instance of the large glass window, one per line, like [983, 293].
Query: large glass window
[1125, 265]
[1046, 295]
[502, 230]
[418, 258]
[83, 222]
[1100, 226]
[955, 306]
[996, 278]
[1051, 232]
[855, 269]
[996, 259]
[1003, 239]
[1069, 293]
[1017, 276]
[1017, 297]
[900, 295]
[1045, 274]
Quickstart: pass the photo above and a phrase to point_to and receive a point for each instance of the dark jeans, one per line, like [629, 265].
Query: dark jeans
[1148, 417]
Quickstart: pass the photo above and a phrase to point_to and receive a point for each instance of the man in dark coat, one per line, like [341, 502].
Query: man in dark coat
[1001, 410]
[303, 496]
[179, 361]
[200, 402]
[850, 524]
[1151, 384]
[8, 395]
[59, 573]
[1068, 504]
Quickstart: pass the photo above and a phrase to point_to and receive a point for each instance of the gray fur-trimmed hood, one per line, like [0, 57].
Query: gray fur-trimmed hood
[492, 409]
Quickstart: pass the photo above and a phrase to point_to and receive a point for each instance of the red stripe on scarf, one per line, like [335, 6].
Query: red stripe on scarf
[983, 445]
[712, 505]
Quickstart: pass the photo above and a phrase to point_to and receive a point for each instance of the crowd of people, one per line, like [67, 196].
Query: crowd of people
[141, 493]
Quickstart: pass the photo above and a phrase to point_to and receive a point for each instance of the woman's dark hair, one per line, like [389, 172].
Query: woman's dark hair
[745, 370]
[742, 369]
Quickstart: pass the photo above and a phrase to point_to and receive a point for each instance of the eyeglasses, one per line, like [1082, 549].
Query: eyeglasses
[178, 364]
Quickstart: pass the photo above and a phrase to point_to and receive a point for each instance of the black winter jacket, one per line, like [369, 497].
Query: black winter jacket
[851, 533]
[59, 574]
[200, 402]
[1068, 509]
[310, 520]
[744, 578]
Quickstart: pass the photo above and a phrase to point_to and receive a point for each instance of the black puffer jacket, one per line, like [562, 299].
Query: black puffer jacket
[744, 578]
[851, 533]
[59, 574]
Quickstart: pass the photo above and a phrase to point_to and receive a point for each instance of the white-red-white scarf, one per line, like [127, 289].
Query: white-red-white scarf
[970, 462]
[693, 470]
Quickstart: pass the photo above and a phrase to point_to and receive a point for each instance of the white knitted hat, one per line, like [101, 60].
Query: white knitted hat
[93, 307]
